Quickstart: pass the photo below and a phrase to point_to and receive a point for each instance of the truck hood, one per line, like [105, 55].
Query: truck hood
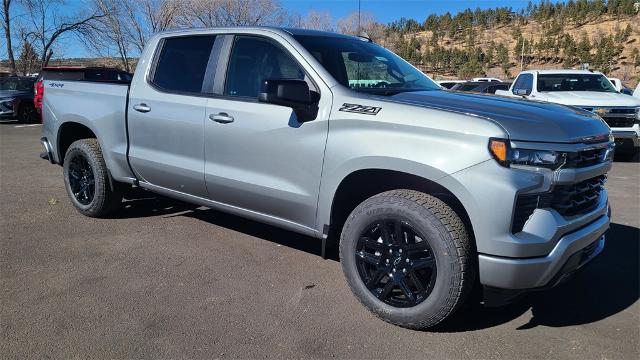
[589, 98]
[521, 119]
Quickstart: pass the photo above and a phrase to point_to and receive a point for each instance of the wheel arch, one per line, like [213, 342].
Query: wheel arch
[71, 131]
[359, 184]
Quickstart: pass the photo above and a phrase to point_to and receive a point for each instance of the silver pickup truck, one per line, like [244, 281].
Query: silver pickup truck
[431, 192]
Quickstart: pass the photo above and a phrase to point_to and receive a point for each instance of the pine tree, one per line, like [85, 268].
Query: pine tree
[502, 57]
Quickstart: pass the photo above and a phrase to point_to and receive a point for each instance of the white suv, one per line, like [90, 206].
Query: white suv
[589, 90]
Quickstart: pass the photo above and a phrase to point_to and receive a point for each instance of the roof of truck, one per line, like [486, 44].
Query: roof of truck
[562, 71]
[290, 31]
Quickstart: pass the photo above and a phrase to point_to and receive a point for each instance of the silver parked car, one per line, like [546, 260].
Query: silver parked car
[430, 191]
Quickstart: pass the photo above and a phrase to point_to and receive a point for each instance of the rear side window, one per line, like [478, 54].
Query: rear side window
[182, 63]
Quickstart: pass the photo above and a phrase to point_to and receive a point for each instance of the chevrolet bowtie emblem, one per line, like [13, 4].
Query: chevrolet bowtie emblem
[601, 111]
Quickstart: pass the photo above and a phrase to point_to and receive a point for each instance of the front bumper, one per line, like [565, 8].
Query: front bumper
[571, 252]
[627, 139]
[7, 109]
[533, 256]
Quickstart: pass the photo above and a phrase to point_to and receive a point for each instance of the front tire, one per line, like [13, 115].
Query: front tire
[407, 257]
[86, 180]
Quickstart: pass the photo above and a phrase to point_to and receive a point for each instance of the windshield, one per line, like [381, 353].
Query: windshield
[574, 82]
[364, 66]
[16, 84]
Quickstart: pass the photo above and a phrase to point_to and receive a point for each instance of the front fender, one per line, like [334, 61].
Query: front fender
[331, 181]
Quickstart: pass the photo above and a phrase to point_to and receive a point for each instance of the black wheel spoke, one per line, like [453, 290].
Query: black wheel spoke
[386, 290]
[416, 282]
[369, 258]
[375, 279]
[368, 242]
[398, 234]
[384, 231]
[422, 264]
[406, 290]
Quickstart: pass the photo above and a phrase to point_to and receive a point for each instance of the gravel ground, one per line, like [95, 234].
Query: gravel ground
[166, 279]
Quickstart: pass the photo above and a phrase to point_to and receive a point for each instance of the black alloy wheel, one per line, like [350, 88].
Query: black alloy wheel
[396, 263]
[81, 179]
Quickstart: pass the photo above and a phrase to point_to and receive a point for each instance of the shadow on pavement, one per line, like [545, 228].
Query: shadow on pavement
[140, 204]
[627, 158]
[604, 287]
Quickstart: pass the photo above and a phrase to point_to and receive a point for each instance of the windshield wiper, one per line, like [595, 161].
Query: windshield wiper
[388, 91]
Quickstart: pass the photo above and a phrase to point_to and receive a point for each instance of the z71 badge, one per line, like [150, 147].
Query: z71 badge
[360, 109]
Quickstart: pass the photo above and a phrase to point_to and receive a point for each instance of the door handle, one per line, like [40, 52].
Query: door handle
[143, 108]
[222, 118]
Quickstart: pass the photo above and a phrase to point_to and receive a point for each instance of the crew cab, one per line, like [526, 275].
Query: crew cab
[588, 90]
[430, 192]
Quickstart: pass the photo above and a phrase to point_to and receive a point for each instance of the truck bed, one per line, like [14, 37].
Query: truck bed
[100, 106]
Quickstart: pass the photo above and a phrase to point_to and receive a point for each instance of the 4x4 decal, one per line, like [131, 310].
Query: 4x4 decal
[360, 109]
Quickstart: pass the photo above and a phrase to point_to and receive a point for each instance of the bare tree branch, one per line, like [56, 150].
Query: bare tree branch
[48, 24]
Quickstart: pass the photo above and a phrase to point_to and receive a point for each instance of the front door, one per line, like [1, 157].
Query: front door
[258, 157]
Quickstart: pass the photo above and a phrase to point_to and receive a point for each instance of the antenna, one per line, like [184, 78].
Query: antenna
[358, 30]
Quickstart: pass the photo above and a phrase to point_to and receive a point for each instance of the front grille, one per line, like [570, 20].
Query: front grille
[619, 121]
[577, 198]
[585, 158]
[568, 200]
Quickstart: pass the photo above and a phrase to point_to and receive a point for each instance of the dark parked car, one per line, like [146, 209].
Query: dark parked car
[488, 87]
[16, 99]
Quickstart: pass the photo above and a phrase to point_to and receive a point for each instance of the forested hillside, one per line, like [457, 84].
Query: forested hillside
[496, 42]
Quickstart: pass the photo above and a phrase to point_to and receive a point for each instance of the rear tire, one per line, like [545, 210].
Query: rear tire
[27, 113]
[86, 180]
[418, 271]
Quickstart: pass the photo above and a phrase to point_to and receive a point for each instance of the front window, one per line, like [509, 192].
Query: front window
[16, 84]
[574, 82]
[364, 66]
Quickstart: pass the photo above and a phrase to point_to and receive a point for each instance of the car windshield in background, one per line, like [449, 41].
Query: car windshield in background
[574, 82]
[364, 66]
[16, 84]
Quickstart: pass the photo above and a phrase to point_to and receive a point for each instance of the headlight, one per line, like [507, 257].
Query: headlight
[506, 156]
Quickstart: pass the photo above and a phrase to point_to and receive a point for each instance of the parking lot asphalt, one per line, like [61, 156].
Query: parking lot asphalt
[165, 279]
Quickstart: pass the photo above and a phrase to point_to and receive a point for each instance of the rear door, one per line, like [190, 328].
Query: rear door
[258, 157]
[167, 114]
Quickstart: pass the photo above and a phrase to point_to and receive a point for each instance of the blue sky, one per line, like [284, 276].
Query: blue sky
[384, 10]
[389, 10]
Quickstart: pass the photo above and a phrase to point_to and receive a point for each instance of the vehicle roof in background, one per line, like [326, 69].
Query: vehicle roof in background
[563, 71]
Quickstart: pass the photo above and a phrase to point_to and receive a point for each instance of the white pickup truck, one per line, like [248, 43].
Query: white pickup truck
[589, 90]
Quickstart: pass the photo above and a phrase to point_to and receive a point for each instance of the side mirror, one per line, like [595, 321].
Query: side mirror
[291, 93]
[521, 92]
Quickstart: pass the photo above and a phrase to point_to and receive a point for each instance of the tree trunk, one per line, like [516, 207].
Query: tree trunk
[7, 34]
[45, 60]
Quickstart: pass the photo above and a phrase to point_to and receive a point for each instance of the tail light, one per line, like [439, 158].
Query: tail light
[37, 98]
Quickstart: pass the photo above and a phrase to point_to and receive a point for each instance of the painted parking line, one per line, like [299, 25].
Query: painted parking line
[22, 126]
